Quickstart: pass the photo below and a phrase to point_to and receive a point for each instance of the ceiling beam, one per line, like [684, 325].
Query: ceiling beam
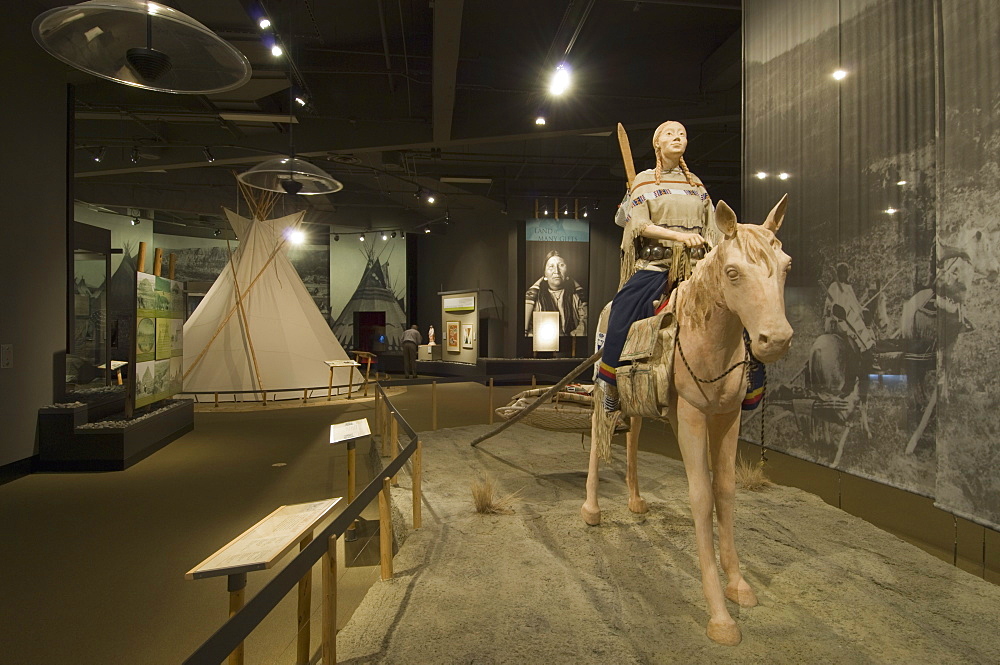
[444, 72]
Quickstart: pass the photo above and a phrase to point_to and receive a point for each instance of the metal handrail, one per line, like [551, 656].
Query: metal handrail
[236, 630]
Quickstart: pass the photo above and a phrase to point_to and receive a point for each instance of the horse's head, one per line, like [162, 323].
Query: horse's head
[750, 270]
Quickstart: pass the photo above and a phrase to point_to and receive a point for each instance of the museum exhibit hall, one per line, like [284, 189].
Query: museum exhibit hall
[441, 331]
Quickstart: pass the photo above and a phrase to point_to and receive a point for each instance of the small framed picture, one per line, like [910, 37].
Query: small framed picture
[451, 328]
[468, 336]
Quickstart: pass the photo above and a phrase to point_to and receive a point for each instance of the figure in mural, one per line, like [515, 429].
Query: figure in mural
[737, 290]
[556, 291]
[668, 216]
[411, 340]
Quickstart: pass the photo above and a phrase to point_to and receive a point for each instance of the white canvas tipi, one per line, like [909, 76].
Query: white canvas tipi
[279, 341]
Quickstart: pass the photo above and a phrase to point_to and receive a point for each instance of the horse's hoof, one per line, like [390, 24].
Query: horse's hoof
[638, 505]
[742, 594]
[591, 516]
[726, 633]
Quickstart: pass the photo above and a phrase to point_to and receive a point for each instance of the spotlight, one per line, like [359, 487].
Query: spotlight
[264, 23]
[296, 237]
[385, 236]
[100, 155]
[597, 206]
[427, 229]
[217, 232]
[300, 101]
[276, 51]
[431, 199]
[362, 238]
[560, 80]
[545, 211]
[135, 221]
[891, 211]
[393, 234]
[760, 175]
[209, 157]
[540, 120]
[134, 156]
[900, 183]
[840, 74]
[336, 237]
[783, 176]
[584, 212]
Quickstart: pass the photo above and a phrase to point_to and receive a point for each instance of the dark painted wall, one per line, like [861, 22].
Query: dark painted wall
[33, 246]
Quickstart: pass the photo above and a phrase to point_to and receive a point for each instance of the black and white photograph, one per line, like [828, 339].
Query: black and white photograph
[369, 283]
[557, 271]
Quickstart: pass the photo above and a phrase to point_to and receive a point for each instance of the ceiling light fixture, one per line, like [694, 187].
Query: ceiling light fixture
[264, 23]
[783, 176]
[561, 80]
[276, 51]
[336, 237]
[100, 155]
[891, 211]
[839, 75]
[134, 157]
[393, 234]
[217, 233]
[209, 157]
[901, 183]
[296, 236]
[540, 120]
[427, 229]
[300, 101]
[760, 175]
[385, 236]
[135, 221]
[362, 238]
[141, 44]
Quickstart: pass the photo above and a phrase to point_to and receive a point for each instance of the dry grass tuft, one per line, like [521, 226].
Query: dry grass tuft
[751, 476]
[486, 500]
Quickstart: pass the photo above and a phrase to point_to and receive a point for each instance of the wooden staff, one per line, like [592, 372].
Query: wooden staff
[157, 260]
[171, 265]
[140, 262]
[623, 145]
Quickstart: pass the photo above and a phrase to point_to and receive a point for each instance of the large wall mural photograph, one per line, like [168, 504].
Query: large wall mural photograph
[893, 176]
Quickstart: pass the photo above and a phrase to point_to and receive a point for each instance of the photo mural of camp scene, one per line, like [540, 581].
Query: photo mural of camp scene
[159, 338]
[893, 373]
[368, 292]
[557, 272]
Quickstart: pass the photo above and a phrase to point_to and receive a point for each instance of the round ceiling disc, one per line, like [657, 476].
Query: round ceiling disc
[108, 38]
[273, 175]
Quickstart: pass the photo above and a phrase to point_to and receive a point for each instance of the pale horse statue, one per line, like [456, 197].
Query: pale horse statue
[738, 285]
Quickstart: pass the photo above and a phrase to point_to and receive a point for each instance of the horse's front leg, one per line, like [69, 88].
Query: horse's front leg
[635, 502]
[691, 437]
[591, 511]
[723, 432]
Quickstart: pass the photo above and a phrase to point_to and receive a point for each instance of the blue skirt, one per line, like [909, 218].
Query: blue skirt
[633, 303]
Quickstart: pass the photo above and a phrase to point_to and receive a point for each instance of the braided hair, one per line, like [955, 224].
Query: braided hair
[659, 165]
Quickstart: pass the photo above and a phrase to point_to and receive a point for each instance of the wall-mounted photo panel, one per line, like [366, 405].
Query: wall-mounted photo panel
[557, 272]
[145, 340]
[468, 336]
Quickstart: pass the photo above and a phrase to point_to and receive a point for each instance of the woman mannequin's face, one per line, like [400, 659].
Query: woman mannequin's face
[672, 141]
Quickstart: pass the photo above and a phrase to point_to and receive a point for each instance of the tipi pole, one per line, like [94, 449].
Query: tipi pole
[243, 316]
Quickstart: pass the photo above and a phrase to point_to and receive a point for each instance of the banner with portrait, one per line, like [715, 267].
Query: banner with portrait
[557, 272]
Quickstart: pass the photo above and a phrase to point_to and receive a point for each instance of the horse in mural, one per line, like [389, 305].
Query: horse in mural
[738, 286]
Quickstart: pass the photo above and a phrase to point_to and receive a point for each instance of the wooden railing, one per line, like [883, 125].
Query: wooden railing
[227, 641]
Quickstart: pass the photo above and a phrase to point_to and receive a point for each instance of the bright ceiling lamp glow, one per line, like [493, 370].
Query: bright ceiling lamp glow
[901, 183]
[385, 236]
[300, 101]
[840, 74]
[891, 211]
[264, 23]
[276, 51]
[427, 229]
[296, 237]
[783, 176]
[560, 80]
[540, 120]
[760, 175]
[430, 198]
[362, 238]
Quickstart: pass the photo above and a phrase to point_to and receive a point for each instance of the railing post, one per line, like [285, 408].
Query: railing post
[378, 403]
[305, 395]
[385, 530]
[330, 603]
[491, 400]
[434, 405]
[216, 399]
[236, 585]
[534, 382]
[417, 470]
[305, 604]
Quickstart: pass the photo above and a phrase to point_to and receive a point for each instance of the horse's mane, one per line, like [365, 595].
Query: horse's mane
[704, 288]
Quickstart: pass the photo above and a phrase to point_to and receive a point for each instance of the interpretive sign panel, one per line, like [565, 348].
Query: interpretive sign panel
[260, 546]
[158, 338]
[354, 429]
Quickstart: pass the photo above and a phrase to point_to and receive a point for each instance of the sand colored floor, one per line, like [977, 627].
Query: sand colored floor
[539, 586]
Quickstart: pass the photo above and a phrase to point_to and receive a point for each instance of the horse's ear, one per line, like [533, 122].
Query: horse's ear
[725, 219]
[776, 216]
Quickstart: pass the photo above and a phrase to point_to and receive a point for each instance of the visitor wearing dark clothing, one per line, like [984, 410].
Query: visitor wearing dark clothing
[411, 340]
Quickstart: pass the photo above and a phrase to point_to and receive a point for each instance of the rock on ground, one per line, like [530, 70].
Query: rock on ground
[539, 586]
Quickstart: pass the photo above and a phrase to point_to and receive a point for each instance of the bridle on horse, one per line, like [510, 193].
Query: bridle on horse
[748, 358]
